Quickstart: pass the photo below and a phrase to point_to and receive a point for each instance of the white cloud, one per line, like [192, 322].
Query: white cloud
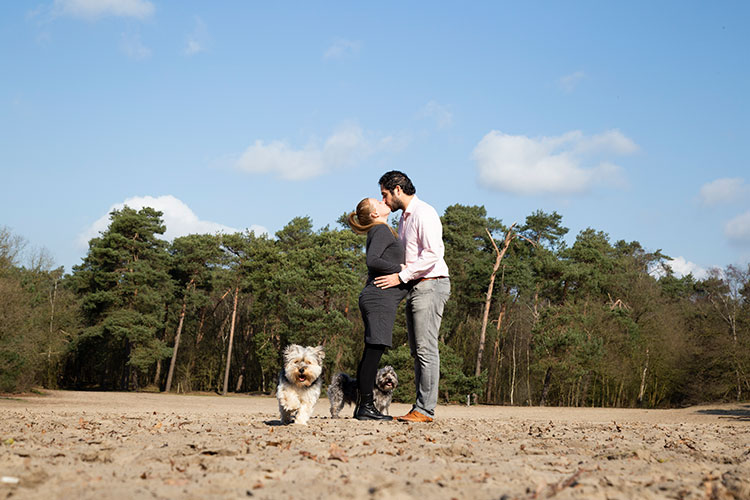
[178, 218]
[392, 143]
[737, 230]
[570, 163]
[344, 148]
[438, 113]
[682, 267]
[131, 46]
[725, 190]
[95, 9]
[197, 40]
[342, 48]
[569, 82]
[193, 47]
[611, 141]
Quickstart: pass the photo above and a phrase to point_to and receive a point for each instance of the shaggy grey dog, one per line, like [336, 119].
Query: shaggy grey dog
[343, 390]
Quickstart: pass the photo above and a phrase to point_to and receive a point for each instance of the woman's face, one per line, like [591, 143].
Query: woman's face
[379, 208]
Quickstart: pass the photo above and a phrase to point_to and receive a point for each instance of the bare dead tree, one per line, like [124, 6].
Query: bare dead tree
[499, 254]
[642, 389]
[231, 340]
[170, 374]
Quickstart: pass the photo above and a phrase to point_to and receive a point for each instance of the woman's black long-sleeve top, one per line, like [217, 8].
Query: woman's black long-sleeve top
[385, 254]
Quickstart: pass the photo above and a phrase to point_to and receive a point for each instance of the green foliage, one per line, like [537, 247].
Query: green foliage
[401, 361]
[545, 230]
[15, 352]
[13, 365]
[677, 288]
[455, 385]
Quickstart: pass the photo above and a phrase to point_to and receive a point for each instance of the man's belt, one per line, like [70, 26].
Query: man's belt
[432, 278]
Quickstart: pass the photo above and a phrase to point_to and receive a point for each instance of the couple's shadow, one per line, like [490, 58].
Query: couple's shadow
[742, 413]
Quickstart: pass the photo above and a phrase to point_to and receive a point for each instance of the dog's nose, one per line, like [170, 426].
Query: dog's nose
[302, 370]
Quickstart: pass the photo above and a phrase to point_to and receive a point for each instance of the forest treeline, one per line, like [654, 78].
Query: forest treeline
[531, 319]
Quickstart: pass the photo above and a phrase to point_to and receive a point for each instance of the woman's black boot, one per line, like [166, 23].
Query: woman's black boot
[366, 409]
[356, 405]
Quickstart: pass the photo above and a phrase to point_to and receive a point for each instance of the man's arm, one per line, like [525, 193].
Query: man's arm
[387, 281]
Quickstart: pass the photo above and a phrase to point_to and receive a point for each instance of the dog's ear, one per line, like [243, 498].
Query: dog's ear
[289, 350]
[320, 353]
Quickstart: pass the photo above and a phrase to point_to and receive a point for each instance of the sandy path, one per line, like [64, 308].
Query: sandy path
[136, 445]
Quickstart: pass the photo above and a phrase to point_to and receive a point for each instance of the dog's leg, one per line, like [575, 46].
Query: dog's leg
[286, 416]
[334, 413]
[339, 406]
[289, 404]
[303, 415]
[336, 405]
[288, 399]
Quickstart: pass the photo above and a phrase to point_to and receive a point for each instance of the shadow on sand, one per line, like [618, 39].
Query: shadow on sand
[273, 423]
[741, 414]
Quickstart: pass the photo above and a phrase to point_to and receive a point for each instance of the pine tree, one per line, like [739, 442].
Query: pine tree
[125, 289]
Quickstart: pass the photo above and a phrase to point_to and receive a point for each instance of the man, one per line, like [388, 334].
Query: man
[421, 233]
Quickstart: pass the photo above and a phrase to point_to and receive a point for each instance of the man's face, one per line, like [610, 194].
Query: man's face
[392, 199]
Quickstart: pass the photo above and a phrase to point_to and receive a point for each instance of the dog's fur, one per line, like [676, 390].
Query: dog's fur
[300, 383]
[343, 390]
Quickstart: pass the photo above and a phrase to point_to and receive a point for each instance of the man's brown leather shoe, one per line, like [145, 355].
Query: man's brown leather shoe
[414, 416]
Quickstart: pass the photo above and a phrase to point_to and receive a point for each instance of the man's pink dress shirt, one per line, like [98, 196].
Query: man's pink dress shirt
[421, 234]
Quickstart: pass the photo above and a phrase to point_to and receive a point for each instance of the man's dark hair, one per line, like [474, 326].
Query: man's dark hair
[394, 178]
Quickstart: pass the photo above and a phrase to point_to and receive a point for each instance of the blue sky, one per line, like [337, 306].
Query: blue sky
[631, 118]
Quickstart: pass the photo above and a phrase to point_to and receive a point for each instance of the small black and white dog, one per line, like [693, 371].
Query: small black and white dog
[343, 390]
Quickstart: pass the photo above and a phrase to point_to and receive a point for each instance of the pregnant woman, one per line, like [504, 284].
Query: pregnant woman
[385, 255]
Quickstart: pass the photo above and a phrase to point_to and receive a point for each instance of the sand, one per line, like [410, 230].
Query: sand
[143, 445]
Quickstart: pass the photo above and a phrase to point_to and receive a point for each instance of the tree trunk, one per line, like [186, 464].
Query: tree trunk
[736, 360]
[125, 368]
[497, 355]
[177, 340]
[585, 388]
[231, 341]
[513, 373]
[642, 389]
[50, 378]
[157, 375]
[337, 361]
[528, 373]
[545, 387]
